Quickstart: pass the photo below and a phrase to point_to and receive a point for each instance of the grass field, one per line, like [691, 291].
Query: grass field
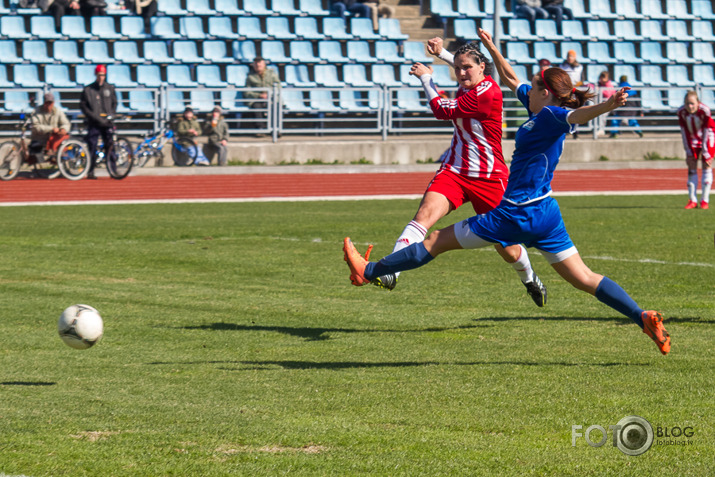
[235, 345]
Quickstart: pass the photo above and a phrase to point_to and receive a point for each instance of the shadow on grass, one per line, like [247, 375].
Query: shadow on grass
[27, 383]
[338, 365]
[619, 320]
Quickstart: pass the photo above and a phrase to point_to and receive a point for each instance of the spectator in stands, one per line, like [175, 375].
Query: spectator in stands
[50, 126]
[98, 102]
[698, 130]
[544, 64]
[187, 126]
[60, 8]
[531, 10]
[92, 8]
[557, 11]
[145, 8]
[217, 131]
[260, 77]
[633, 109]
[355, 7]
[378, 8]
[575, 72]
[607, 89]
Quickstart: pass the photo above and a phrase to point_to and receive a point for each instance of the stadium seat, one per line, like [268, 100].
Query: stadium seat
[43, 27]
[652, 100]
[35, 51]
[4, 83]
[519, 52]
[573, 30]
[519, 28]
[277, 27]
[118, 75]
[274, 51]
[199, 7]
[386, 52]
[142, 101]
[676, 97]
[312, 8]
[546, 49]
[414, 51]
[678, 9]
[237, 74]
[215, 52]
[103, 28]
[546, 30]
[521, 73]
[406, 78]
[175, 101]
[677, 52]
[470, 8]
[13, 27]
[389, 29]
[358, 101]
[191, 28]
[133, 28]
[306, 28]
[327, 76]
[677, 75]
[362, 28]
[302, 51]
[652, 75]
[677, 30]
[84, 74]
[127, 52]
[97, 51]
[322, 101]
[220, 27]
[331, 51]
[442, 75]
[598, 52]
[629, 71]
[626, 30]
[171, 7]
[465, 29]
[27, 76]
[292, 100]
[602, 9]
[8, 52]
[652, 30]
[73, 27]
[703, 51]
[297, 75]
[359, 51]
[228, 7]
[185, 51]
[58, 76]
[593, 71]
[201, 100]
[599, 29]
[284, 7]
[334, 28]
[250, 27]
[489, 9]
[651, 52]
[243, 51]
[627, 9]
[443, 9]
[232, 100]
[703, 30]
[157, 52]
[410, 100]
[17, 101]
[180, 76]
[4, 10]
[703, 75]
[355, 75]
[65, 51]
[575, 46]
[578, 8]
[256, 7]
[625, 51]
[163, 27]
[653, 9]
[703, 9]
[707, 96]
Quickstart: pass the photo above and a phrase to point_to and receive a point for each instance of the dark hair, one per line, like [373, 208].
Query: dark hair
[258, 59]
[473, 49]
[558, 83]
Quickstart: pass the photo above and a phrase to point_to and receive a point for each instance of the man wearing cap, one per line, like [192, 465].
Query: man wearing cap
[260, 77]
[217, 131]
[49, 125]
[99, 105]
[188, 126]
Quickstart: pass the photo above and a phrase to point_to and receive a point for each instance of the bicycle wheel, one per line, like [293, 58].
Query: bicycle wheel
[121, 159]
[184, 152]
[10, 160]
[73, 159]
[143, 155]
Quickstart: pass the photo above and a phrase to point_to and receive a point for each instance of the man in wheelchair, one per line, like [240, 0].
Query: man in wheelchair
[50, 128]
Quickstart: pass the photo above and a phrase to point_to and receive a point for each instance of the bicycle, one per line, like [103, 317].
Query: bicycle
[71, 159]
[183, 152]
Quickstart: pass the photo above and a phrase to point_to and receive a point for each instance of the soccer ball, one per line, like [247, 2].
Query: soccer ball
[80, 326]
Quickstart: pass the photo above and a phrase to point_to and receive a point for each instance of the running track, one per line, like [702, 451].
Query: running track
[22, 191]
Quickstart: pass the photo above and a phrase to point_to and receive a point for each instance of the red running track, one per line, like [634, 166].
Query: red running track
[248, 186]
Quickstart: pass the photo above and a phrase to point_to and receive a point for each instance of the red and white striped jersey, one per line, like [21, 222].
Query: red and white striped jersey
[695, 127]
[476, 145]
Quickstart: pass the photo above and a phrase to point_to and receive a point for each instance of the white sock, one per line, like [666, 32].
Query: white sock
[413, 233]
[523, 266]
[707, 183]
[692, 184]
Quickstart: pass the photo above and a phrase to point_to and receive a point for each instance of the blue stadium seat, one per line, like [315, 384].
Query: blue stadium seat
[593, 71]
[443, 9]
[519, 52]
[163, 27]
[127, 52]
[442, 75]
[180, 76]
[703, 51]
[232, 100]
[703, 9]
[522, 74]
[470, 8]
[627, 9]
[575, 46]
[228, 7]
[331, 51]
[278, 28]
[327, 76]
[629, 71]
[8, 52]
[359, 51]
[243, 51]
[406, 78]
[142, 101]
[302, 51]
[362, 28]
[676, 97]
[220, 27]
[157, 52]
[27, 76]
[284, 7]
[210, 76]
[274, 52]
[293, 101]
[322, 101]
[355, 75]
[17, 101]
[703, 30]
[599, 29]
[573, 30]
[334, 28]
[652, 30]
[414, 51]
[410, 100]
[678, 30]
[677, 52]
[652, 75]
[256, 7]
[35, 51]
[703, 75]
[43, 27]
[201, 100]
[577, 7]
[215, 52]
[625, 51]
[250, 27]
[133, 28]
[312, 8]
[84, 74]
[14, 28]
[65, 51]
[118, 75]
[4, 10]
[546, 49]
[678, 75]
[465, 29]
[58, 76]
[678, 9]
[171, 7]
[520, 29]
[602, 9]
[73, 27]
[546, 30]
[4, 83]
[103, 28]
[652, 100]
[297, 75]
[651, 52]
[489, 9]
[598, 52]
[191, 28]
[237, 74]
[653, 9]
[358, 101]
[626, 30]
[307, 28]
[185, 51]
[97, 51]
[389, 29]
[199, 7]
[175, 101]
[387, 52]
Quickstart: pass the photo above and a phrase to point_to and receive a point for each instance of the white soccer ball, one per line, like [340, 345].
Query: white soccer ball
[80, 326]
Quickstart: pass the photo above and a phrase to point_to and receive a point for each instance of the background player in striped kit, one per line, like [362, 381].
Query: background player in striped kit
[698, 130]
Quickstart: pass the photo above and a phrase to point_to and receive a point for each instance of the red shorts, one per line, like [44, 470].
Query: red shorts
[693, 163]
[484, 194]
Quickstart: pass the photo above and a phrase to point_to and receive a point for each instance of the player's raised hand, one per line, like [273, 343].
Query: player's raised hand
[418, 69]
[620, 97]
[434, 46]
[485, 36]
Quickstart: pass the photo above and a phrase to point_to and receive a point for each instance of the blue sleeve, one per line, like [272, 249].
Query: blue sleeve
[555, 119]
[522, 94]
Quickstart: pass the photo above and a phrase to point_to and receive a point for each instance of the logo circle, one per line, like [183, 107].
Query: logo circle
[634, 435]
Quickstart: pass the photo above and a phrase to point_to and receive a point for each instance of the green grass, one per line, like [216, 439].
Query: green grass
[234, 345]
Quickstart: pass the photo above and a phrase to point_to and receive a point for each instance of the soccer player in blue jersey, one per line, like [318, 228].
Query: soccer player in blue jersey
[527, 213]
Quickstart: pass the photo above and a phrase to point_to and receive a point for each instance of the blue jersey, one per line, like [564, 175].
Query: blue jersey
[539, 144]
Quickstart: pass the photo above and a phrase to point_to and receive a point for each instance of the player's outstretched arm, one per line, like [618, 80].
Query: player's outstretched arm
[435, 47]
[506, 72]
[584, 114]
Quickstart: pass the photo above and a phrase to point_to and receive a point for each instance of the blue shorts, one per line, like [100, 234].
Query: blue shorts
[538, 225]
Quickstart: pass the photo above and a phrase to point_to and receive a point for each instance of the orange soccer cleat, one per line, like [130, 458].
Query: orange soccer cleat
[356, 262]
[704, 205]
[691, 204]
[653, 327]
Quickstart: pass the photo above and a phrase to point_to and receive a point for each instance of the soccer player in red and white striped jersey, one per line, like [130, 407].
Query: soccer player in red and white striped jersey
[698, 130]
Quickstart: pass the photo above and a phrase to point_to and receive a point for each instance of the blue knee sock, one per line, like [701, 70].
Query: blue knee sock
[611, 294]
[408, 258]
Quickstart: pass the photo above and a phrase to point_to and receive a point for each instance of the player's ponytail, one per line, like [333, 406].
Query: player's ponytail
[557, 82]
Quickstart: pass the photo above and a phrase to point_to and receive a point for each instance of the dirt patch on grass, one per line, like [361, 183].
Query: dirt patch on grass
[271, 449]
[94, 436]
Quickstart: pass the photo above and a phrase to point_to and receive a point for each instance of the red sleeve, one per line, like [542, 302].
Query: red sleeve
[476, 103]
